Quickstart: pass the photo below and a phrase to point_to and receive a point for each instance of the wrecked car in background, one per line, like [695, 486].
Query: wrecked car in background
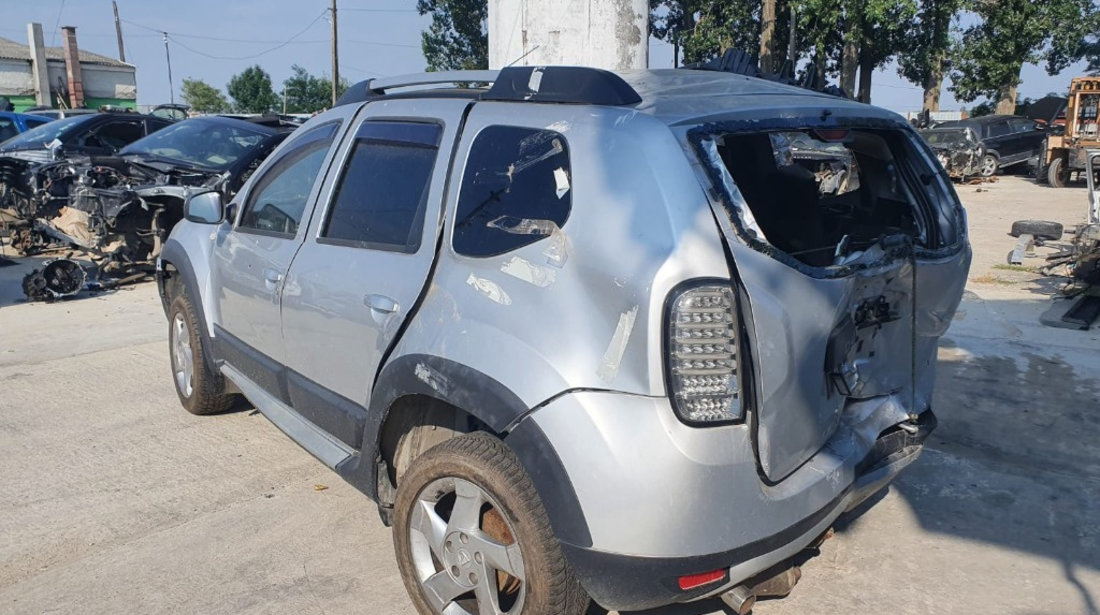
[118, 210]
[957, 148]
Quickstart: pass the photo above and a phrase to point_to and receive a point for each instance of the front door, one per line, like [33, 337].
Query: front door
[367, 258]
[250, 258]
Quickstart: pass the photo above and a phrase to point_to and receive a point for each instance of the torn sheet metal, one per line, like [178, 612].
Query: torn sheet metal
[490, 289]
[748, 221]
[532, 273]
[613, 356]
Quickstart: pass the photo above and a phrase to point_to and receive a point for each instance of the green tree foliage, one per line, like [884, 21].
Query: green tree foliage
[458, 38]
[702, 29]
[925, 51]
[203, 97]
[251, 91]
[305, 93]
[1012, 33]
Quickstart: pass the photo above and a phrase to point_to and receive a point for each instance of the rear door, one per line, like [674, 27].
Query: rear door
[367, 257]
[1000, 138]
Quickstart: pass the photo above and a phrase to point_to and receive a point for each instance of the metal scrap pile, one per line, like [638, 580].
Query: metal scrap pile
[117, 211]
[1082, 259]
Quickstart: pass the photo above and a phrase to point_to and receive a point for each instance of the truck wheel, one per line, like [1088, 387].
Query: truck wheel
[1057, 173]
[471, 535]
[1043, 229]
[200, 390]
[989, 165]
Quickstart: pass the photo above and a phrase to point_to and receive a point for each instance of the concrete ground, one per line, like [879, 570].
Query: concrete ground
[114, 500]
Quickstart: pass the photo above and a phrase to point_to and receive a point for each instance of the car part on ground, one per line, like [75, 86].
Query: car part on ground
[119, 210]
[544, 322]
[58, 278]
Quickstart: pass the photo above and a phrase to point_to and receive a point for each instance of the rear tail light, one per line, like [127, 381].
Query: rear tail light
[703, 355]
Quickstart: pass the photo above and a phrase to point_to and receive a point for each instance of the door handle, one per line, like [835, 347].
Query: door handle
[272, 279]
[381, 303]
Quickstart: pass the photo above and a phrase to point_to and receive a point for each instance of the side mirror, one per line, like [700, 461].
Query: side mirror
[204, 207]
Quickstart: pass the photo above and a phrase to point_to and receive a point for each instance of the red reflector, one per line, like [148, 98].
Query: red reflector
[832, 134]
[691, 581]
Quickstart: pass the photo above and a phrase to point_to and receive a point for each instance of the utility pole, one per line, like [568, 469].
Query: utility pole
[168, 56]
[792, 43]
[335, 59]
[118, 33]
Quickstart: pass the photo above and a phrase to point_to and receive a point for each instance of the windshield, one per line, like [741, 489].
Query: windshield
[956, 136]
[46, 133]
[198, 142]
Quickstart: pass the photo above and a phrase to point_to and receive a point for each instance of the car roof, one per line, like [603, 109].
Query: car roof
[254, 126]
[13, 114]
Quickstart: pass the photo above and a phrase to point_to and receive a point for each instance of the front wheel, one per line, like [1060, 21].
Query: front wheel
[471, 536]
[989, 165]
[1057, 173]
[200, 390]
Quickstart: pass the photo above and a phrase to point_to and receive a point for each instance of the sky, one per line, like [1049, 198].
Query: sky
[214, 40]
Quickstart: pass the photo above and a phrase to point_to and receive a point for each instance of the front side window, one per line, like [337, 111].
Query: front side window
[379, 201]
[516, 190]
[278, 200]
[115, 135]
[7, 129]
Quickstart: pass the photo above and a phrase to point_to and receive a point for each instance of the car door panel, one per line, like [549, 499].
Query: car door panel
[251, 256]
[345, 299]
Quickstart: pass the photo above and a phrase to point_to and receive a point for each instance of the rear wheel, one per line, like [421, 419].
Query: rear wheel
[989, 165]
[1057, 173]
[471, 536]
[200, 390]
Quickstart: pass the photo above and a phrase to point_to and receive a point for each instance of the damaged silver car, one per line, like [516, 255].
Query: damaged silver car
[958, 150]
[117, 210]
[638, 338]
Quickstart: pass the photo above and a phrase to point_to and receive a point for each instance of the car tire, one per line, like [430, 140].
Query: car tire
[469, 527]
[1043, 229]
[1057, 173]
[989, 166]
[201, 391]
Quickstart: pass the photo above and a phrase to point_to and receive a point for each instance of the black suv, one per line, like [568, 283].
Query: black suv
[1008, 139]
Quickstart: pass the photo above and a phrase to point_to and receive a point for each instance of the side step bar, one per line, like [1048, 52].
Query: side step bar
[318, 442]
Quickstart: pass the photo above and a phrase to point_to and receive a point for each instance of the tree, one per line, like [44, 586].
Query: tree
[458, 38]
[923, 60]
[305, 93]
[884, 28]
[251, 91]
[203, 97]
[703, 29]
[1012, 33]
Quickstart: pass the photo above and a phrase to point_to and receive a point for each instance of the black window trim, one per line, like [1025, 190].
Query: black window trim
[320, 239]
[248, 230]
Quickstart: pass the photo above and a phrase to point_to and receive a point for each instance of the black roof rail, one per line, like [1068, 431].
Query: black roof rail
[552, 84]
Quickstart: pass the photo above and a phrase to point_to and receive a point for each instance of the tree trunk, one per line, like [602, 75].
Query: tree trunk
[933, 84]
[849, 58]
[1006, 99]
[820, 63]
[767, 36]
[866, 69]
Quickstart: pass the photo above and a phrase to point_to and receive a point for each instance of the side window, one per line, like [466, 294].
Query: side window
[154, 124]
[999, 129]
[35, 123]
[8, 129]
[1022, 125]
[379, 201]
[515, 190]
[117, 135]
[277, 201]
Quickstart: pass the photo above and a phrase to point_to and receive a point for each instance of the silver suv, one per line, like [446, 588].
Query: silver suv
[636, 337]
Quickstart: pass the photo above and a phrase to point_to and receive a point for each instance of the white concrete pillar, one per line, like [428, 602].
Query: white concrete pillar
[39, 71]
[611, 34]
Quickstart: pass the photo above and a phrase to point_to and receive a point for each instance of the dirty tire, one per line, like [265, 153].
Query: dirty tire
[1043, 229]
[1057, 173]
[989, 166]
[485, 463]
[204, 393]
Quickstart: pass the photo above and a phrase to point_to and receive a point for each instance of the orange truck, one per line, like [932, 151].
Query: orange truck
[1064, 154]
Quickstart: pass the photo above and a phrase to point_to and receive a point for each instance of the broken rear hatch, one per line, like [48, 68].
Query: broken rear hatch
[849, 245]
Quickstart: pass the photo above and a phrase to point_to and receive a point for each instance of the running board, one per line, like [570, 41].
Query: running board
[318, 442]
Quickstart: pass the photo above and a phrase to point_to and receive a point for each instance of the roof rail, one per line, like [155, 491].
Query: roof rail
[553, 84]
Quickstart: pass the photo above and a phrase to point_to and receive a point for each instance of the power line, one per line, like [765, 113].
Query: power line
[173, 36]
[382, 10]
[57, 22]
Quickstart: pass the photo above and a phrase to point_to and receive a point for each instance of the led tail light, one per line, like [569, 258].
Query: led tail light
[703, 362]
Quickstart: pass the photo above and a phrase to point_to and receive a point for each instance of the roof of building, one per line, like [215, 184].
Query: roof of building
[12, 50]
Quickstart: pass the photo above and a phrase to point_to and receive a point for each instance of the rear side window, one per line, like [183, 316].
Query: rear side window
[34, 123]
[379, 202]
[999, 129]
[516, 190]
[115, 135]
